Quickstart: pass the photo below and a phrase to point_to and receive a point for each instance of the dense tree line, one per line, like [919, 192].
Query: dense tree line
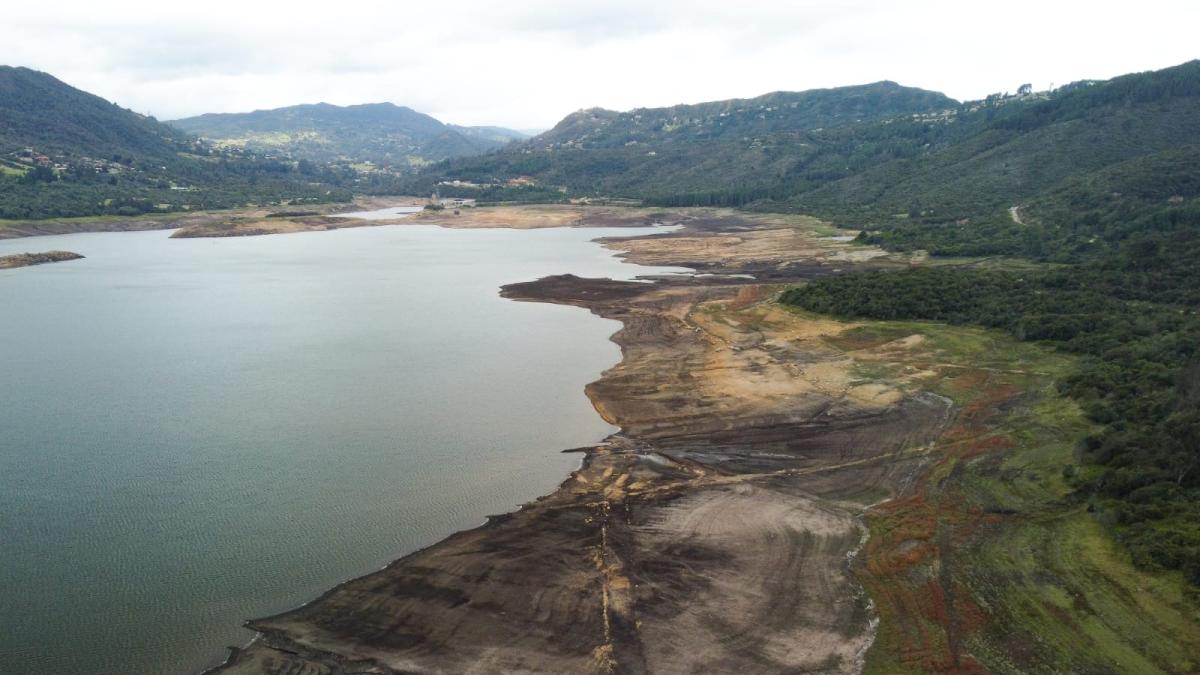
[63, 197]
[1081, 219]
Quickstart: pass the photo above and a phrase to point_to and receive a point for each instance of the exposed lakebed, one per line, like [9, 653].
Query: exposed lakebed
[201, 431]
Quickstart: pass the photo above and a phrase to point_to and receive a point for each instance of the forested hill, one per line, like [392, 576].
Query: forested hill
[788, 112]
[994, 155]
[65, 152]
[709, 147]
[871, 155]
[381, 133]
[40, 112]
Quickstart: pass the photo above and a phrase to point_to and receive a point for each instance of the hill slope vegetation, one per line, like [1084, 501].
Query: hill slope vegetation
[868, 155]
[65, 152]
[381, 133]
[719, 147]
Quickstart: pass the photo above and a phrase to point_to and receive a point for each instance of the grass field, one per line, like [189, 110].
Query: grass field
[8, 168]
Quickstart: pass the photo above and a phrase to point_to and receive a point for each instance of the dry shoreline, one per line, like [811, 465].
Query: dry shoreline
[788, 493]
[725, 527]
[27, 259]
[714, 531]
[229, 222]
[259, 221]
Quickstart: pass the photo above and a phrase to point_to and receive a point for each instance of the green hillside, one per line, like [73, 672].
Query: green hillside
[1022, 154]
[39, 111]
[381, 133]
[720, 147]
[65, 152]
[869, 155]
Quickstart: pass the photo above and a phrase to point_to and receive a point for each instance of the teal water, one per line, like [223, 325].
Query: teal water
[194, 432]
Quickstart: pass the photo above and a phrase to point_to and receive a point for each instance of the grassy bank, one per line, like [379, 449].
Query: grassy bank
[993, 564]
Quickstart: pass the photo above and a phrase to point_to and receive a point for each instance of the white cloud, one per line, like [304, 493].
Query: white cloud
[526, 64]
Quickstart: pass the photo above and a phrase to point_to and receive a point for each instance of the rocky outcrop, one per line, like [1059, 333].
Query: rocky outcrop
[27, 259]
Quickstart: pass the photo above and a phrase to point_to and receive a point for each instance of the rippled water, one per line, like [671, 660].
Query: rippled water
[198, 431]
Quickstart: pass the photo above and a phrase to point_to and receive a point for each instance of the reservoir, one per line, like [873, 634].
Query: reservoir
[194, 432]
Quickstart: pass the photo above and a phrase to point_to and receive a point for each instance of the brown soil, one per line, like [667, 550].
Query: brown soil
[285, 220]
[38, 228]
[512, 217]
[713, 534]
[542, 215]
[254, 226]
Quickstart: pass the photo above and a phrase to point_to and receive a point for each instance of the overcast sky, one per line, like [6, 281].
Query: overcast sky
[526, 64]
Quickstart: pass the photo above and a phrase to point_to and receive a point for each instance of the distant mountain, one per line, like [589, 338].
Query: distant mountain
[65, 152]
[655, 152]
[381, 133]
[739, 119]
[910, 165]
[498, 135]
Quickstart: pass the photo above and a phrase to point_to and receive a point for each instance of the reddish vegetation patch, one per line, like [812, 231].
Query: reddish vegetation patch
[927, 611]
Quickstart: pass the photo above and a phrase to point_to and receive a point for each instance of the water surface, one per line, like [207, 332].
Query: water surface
[200, 431]
[388, 213]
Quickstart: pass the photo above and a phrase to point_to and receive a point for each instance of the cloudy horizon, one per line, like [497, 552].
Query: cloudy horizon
[526, 65]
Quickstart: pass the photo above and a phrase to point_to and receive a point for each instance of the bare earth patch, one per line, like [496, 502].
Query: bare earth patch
[537, 216]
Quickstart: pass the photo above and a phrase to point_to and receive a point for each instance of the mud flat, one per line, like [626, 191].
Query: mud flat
[712, 533]
[255, 226]
[164, 221]
[27, 259]
[285, 221]
[537, 216]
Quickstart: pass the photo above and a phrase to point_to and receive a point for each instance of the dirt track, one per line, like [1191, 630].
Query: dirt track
[714, 534]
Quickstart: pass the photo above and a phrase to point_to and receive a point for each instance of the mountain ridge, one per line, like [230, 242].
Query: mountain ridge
[857, 155]
[649, 152]
[381, 133]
